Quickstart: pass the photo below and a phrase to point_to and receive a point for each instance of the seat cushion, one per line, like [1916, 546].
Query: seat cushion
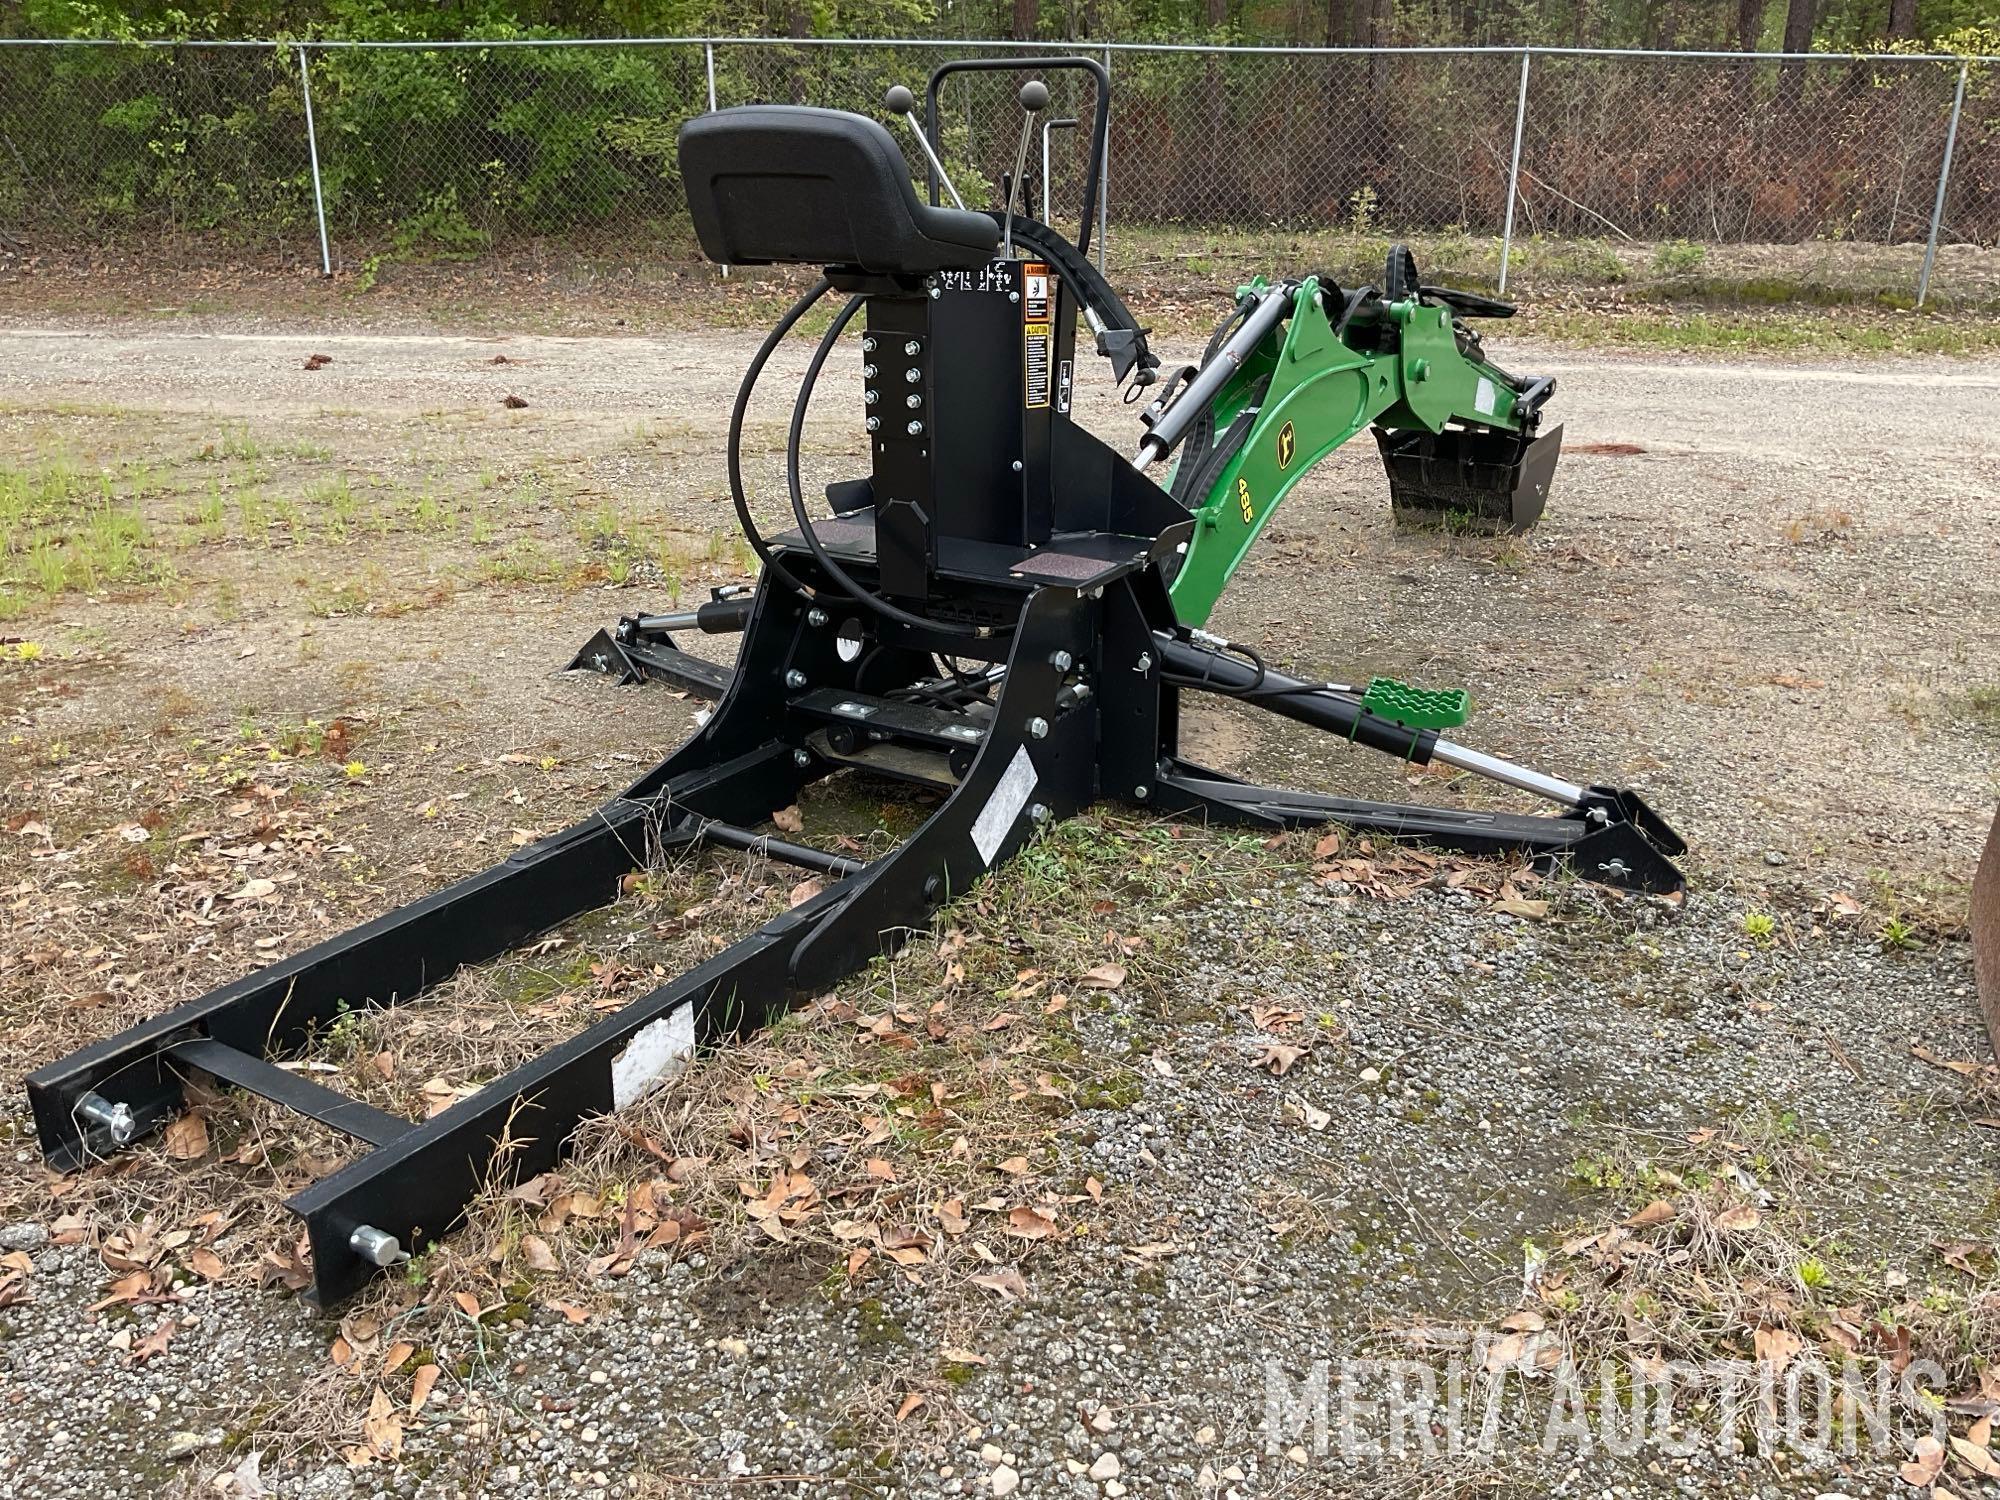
[778, 183]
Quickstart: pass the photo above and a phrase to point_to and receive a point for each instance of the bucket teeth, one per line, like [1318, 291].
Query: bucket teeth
[1465, 480]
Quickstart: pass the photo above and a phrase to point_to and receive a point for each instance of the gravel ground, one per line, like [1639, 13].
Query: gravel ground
[1768, 618]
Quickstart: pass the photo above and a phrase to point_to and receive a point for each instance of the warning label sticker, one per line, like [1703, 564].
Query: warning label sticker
[1038, 340]
[1034, 292]
[1064, 379]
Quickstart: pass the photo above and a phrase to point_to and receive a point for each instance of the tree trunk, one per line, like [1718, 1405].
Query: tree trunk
[1902, 19]
[1749, 24]
[1027, 18]
[1799, 18]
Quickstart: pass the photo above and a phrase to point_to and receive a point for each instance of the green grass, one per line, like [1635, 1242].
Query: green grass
[1766, 333]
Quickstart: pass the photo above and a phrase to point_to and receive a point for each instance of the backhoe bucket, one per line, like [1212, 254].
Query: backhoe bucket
[1986, 935]
[1469, 481]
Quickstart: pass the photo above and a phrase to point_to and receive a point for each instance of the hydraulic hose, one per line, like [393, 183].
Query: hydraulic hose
[735, 452]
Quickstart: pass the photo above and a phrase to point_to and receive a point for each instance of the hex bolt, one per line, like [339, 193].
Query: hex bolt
[868, 344]
[816, 617]
[869, 398]
[1017, 466]
[912, 347]
[1141, 792]
[116, 1118]
[1038, 728]
[795, 679]
[913, 401]
[936, 293]
[913, 375]
[375, 1246]
[867, 372]
[802, 759]
[1039, 812]
[914, 429]
[874, 424]
[1062, 661]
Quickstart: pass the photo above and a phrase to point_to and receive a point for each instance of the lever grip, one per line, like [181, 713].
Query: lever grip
[899, 100]
[1034, 96]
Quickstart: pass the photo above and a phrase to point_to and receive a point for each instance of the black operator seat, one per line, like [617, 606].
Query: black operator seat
[769, 183]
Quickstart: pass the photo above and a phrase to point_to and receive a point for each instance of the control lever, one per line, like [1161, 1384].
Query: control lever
[900, 101]
[1034, 99]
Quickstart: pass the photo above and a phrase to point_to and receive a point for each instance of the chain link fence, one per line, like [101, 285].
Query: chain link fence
[327, 154]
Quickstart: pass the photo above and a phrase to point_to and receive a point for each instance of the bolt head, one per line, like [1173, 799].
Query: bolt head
[802, 758]
[1040, 812]
[874, 424]
[871, 397]
[1141, 793]
[913, 375]
[816, 617]
[913, 347]
[795, 678]
[913, 400]
[1038, 728]
[1062, 661]
[1013, 296]
[868, 344]
[914, 429]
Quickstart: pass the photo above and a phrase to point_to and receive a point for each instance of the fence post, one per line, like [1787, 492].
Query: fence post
[1514, 171]
[1944, 181]
[1104, 183]
[708, 60]
[312, 150]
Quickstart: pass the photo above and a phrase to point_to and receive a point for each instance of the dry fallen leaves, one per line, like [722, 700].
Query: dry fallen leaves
[186, 1137]
[1739, 1218]
[1026, 1223]
[1005, 1283]
[1278, 1058]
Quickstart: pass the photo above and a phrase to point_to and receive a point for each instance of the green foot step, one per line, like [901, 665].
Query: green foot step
[1415, 707]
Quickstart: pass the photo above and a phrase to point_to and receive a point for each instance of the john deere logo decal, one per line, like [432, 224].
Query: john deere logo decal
[1288, 444]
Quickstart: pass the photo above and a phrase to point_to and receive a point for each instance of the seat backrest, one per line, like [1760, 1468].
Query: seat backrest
[770, 183]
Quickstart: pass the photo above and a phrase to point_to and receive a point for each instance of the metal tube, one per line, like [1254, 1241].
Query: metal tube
[1944, 180]
[1014, 190]
[1493, 768]
[1104, 183]
[1065, 123]
[910, 119]
[1195, 396]
[1514, 172]
[312, 150]
[1004, 43]
[708, 61]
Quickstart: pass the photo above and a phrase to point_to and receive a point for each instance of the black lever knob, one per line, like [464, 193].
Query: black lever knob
[1034, 96]
[899, 100]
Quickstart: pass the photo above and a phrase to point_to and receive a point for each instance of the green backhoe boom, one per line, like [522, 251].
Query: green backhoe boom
[1455, 430]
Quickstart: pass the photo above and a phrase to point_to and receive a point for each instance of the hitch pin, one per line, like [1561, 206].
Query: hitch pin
[115, 1118]
[376, 1246]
